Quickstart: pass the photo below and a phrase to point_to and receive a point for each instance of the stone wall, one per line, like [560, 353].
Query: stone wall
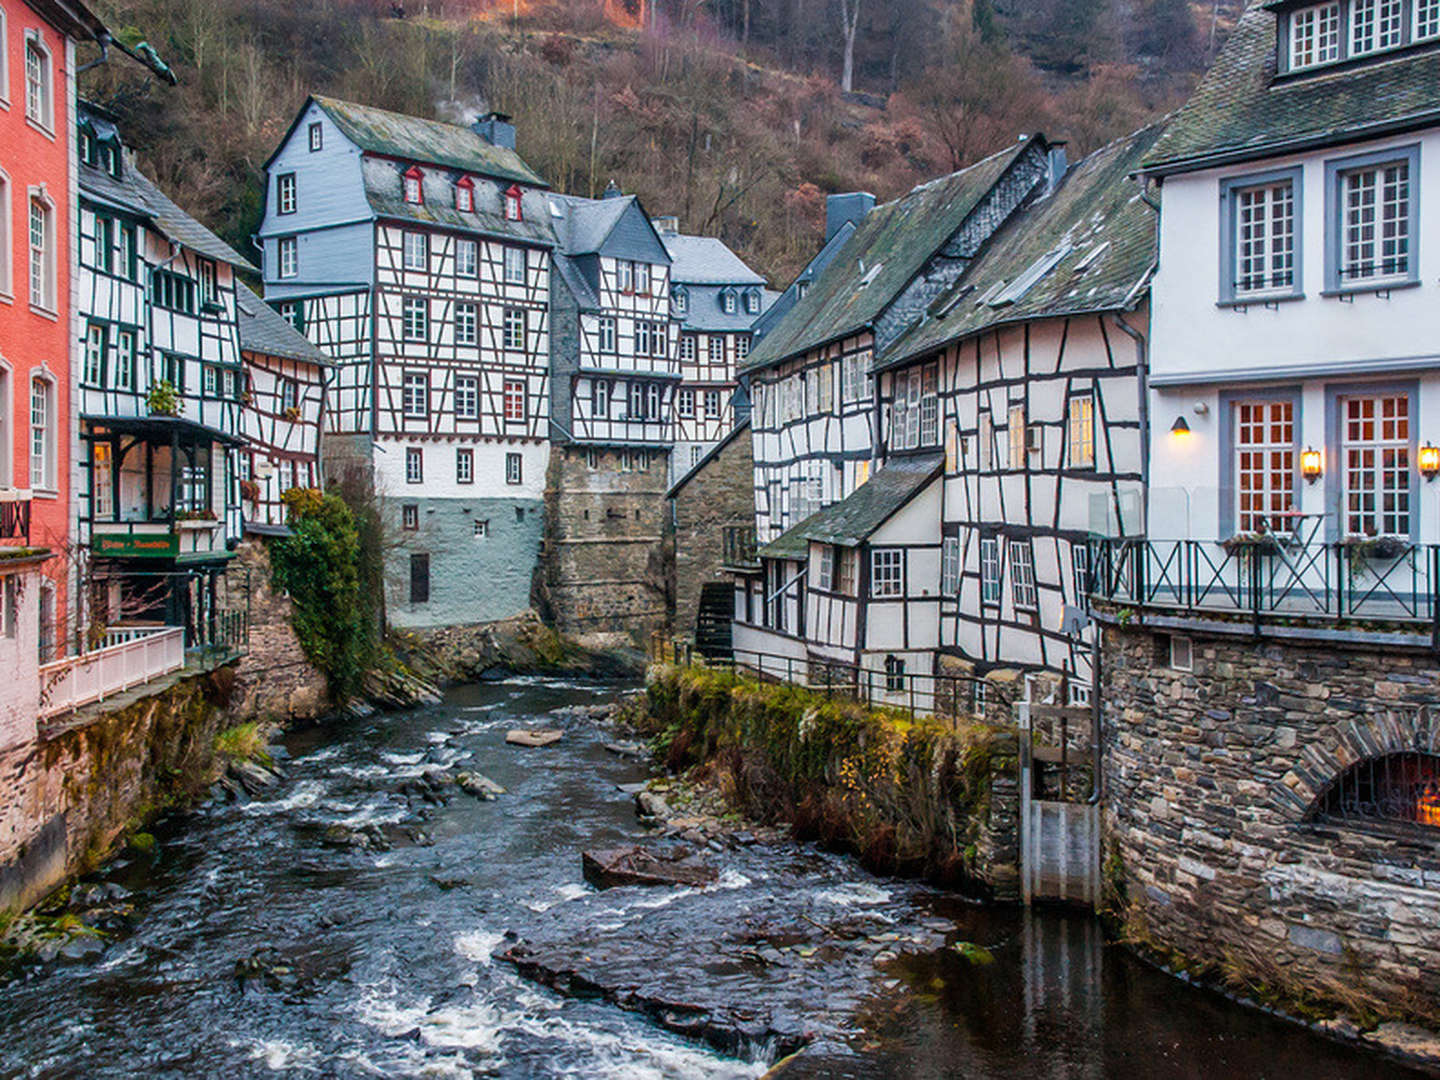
[65, 799]
[720, 494]
[604, 573]
[1212, 779]
[274, 680]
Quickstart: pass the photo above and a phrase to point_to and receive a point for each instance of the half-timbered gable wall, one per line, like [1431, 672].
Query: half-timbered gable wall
[280, 422]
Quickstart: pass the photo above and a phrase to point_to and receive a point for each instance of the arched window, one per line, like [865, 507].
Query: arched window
[1402, 787]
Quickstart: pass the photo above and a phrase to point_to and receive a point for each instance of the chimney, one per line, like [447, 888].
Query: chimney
[612, 191]
[667, 225]
[849, 207]
[496, 129]
[1057, 167]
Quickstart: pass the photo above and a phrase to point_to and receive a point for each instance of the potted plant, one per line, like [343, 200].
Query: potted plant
[250, 491]
[163, 399]
[292, 413]
[1361, 551]
[1247, 544]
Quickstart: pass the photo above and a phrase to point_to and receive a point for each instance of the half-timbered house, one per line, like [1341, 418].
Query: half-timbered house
[812, 387]
[717, 299]
[282, 411]
[416, 254]
[158, 394]
[616, 372]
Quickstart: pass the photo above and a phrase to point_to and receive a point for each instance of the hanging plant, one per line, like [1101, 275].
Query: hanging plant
[163, 399]
[250, 491]
[1361, 551]
[1252, 543]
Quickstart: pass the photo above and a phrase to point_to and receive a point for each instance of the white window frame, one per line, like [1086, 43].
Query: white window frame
[287, 254]
[414, 250]
[1364, 507]
[7, 225]
[1376, 25]
[102, 482]
[465, 197]
[712, 405]
[991, 579]
[285, 201]
[42, 432]
[514, 268]
[825, 571]
[124, 369]
[1182, 653]
[93, 372]
[316, 136]
[410, 517]
[464, 465]
[1264, 464]
[1022, 576]
[1080, 572]
[609, 332]
[467, 397]
[687, 347]
[414, 465]
[39, 92]
[467, 321]
[415, 395]
[600, 399]
[5, 69]
[685, 403]
[414, 190]
[1426, 24]
[715, 349]
[1356, 221]
[514, 469]
[1260, 248]
[414, 318]
[42, 258]
[1316, 36]
[514, 329]
[513, 401]
[467, 258]
[950, 566]
[887, 573]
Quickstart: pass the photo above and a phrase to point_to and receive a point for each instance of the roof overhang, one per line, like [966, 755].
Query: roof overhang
[161, 428]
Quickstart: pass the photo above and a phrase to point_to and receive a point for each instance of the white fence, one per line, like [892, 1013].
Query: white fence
[130, 657]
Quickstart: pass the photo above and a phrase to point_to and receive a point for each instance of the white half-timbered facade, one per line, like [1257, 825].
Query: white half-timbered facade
[282, 413]
[416, 255]
[159, 382]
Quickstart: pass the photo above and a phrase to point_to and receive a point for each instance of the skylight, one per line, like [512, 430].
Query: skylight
[1091, 257]
[1038, 269]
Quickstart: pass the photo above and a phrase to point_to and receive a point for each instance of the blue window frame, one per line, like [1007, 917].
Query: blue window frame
[1372, 221]
[1261, 218]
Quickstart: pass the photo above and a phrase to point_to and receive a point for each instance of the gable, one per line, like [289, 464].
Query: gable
[633, 237]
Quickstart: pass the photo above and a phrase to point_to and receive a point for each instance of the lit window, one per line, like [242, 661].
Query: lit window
[467, 397]
[102, 482]
[39, 105]
[464, 466]
[1375, 223]
[514, 328]
[514, 266]
[1082, 431]
[1264, 465]
[685, 403]
[467, 258]
[950, 566]
[414, 193]
[465, 324]
[514, 401]
[415, 396]
[289, 257]
[410, 517]
[414, 465]
[414, 247]
[990, 570]
[1315, 35]
[1375, 444]
[414, 318]
[42, 255]
[512, 469]
[465, 195]
[1022, 575]
[285, 193]
[317, 137]
[94, 374]
[887, 572]
[1015, 432]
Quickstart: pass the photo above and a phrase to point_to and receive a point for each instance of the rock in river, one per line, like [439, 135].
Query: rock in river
[533, 736]
[482, 787]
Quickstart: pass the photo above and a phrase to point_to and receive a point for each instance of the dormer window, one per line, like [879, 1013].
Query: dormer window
[1315, 35]
[465, 195]
[87, 147]
[681, 299]
[727, 302]
[1427, 19]
[413, 192]
[642, 279]
[513, 209]
[752, 303]
[1348, 29]
[1375, 24]
[110, 157]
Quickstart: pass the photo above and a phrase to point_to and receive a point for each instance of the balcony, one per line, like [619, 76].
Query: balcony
[127, 657]
[15, 514]
[738, 547]
[1276, 584]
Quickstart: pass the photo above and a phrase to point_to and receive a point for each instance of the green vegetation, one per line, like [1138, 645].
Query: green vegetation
[909, 795]
[321, 565]
[244, 742]
[163, 399]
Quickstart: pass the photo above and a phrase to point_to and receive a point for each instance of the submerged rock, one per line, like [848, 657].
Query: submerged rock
[481, 787]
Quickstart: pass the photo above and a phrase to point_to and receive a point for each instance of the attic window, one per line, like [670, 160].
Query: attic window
[727, 302]
[681, 299]
[870, 274]
[513, 210]
[752, 303]
[413, 192]
[1091, 258]
[465, 195]
[1026, 281]
[317, 137]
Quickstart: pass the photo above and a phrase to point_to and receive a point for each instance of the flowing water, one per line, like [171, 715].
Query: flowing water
[390, 965]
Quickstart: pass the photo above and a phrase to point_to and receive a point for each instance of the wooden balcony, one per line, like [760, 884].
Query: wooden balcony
[126, 658]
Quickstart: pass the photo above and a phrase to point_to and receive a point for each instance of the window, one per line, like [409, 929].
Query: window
[467, 258]
[129, 253]
[104, 245]
[4, 64]
[124, 372]
[642, 461]
[285, 193]
[712, 404]
[7, 281]
[847, 561]
[825, 572]
[1427, 19]
[990, 570]
[1264, 465]
[514, 211]
[1315, 35]
[465, 466]
[414, 192]
[696, 453]
[482, 529]
[209, 381]
[410, 517]
[727, 302]
[414, 465]
[419, 579]
[915, 415]
[950, 566]
[652, 401]
[687, 347]
[887, 572]
[95, 354]
[231, 380]
[172, 291]
[414, 250]
[1375, 444]
[1372, 221]
[1260, 250]
[465, 195]
[465, 322]
[1080, 572]
[414, 318]
[289, 256]
[42, 441]
[716, 349]
[42, 255]
[752, 303]
[627, 277]
[986, 438]
[742, 346]
[514, 401]
[512, 469]
[467, 397]
[514, 266]
[415, 395]
[289, 394]
[1182, 653]
[172, 370]
[824, 385]
[294, 313]
[856, 380]
[39, 104]
[642, 279]
[317, 137]
[600, 399]
[102, 482]
[643, 346]
[681, 300]
[514, 331]
[209, 284]
[607, 333]
[685, 403]
[1082, 431]
[1375, 24]
[894, 675]
[1022, 574]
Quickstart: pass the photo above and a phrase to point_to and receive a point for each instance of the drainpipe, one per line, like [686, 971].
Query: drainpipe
[104, 42]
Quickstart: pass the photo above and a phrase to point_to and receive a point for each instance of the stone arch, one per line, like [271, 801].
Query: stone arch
[1322, 762]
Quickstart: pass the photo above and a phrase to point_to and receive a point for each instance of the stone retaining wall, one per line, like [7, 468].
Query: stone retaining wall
[274, 680]
[1212, 778]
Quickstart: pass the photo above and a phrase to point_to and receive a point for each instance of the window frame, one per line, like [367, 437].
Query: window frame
[410, 517]
[512, 274]
[89, 354]
[409, 255]
[1024, 591]
[464, 465]
[413, 176]
[47, 299]
[44, 117]
[467, 394]
[411, 330]
[685, 403]
[992, 572]
[43, 442]
[608, 331]
[316, 136]
[4, 63]
[287, 246]
[1336, 476]
[414, 456]
[515, 327]
[1336, 169]
[950, 566]
[415, 388]
[467, 258]
[513, 401]
[1086, 430]
[465, 195]
[467, 323]
[7, 215]
[1230, 191]
[887, 564]
[514, 469]
[714, 407]
[286, 201]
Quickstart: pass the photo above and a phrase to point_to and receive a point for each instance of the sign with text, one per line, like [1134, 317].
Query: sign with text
[137, 545]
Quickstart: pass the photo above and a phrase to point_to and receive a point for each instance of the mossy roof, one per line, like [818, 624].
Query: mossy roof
[1097, 213]
[1241, 110]
[889, 247]
[264, 330]
[853, 520]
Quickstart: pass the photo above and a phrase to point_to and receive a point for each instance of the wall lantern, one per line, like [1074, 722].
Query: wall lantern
[1310, 464]
[1180, 427]
[1429, 461]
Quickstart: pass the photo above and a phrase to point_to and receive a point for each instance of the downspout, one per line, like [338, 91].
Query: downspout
[103, 40]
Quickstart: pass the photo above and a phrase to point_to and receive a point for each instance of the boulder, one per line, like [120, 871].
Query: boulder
[650, 805]
[481, 787]
[533, 736]
[366, 838]
[252, 777]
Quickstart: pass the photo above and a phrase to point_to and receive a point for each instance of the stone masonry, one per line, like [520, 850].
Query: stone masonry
[1212, 780]
[274, 680]
[720, 493]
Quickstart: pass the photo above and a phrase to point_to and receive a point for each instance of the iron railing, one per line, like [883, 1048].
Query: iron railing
[1401, 788]
[212, 605]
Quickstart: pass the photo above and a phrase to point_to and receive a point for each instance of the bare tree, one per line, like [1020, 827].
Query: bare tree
[849, 25]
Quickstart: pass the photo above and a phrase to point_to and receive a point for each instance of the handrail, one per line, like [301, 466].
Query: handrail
[93, 676]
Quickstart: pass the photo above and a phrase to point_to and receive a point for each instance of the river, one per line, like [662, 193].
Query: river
[389, 959]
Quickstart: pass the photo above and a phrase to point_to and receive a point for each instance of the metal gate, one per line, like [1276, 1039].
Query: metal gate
[1059, 838]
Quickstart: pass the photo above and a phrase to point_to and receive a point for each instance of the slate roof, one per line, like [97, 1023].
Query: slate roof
[1096, 213]
[790, 544]
[137, 193]
[582, 225]
[897, 237]
[787, 298]
[1241, 111]
[385, 191]
[853, 520]
[710, 455]
[576, 282]
[706, 260]
[413, 138]
[265, 330]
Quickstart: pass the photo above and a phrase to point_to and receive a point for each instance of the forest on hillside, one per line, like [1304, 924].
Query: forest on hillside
[733, 114]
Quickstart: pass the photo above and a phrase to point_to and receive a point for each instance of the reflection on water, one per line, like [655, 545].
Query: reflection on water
[388, 956]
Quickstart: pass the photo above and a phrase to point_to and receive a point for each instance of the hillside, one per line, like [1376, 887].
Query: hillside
[727, 112]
